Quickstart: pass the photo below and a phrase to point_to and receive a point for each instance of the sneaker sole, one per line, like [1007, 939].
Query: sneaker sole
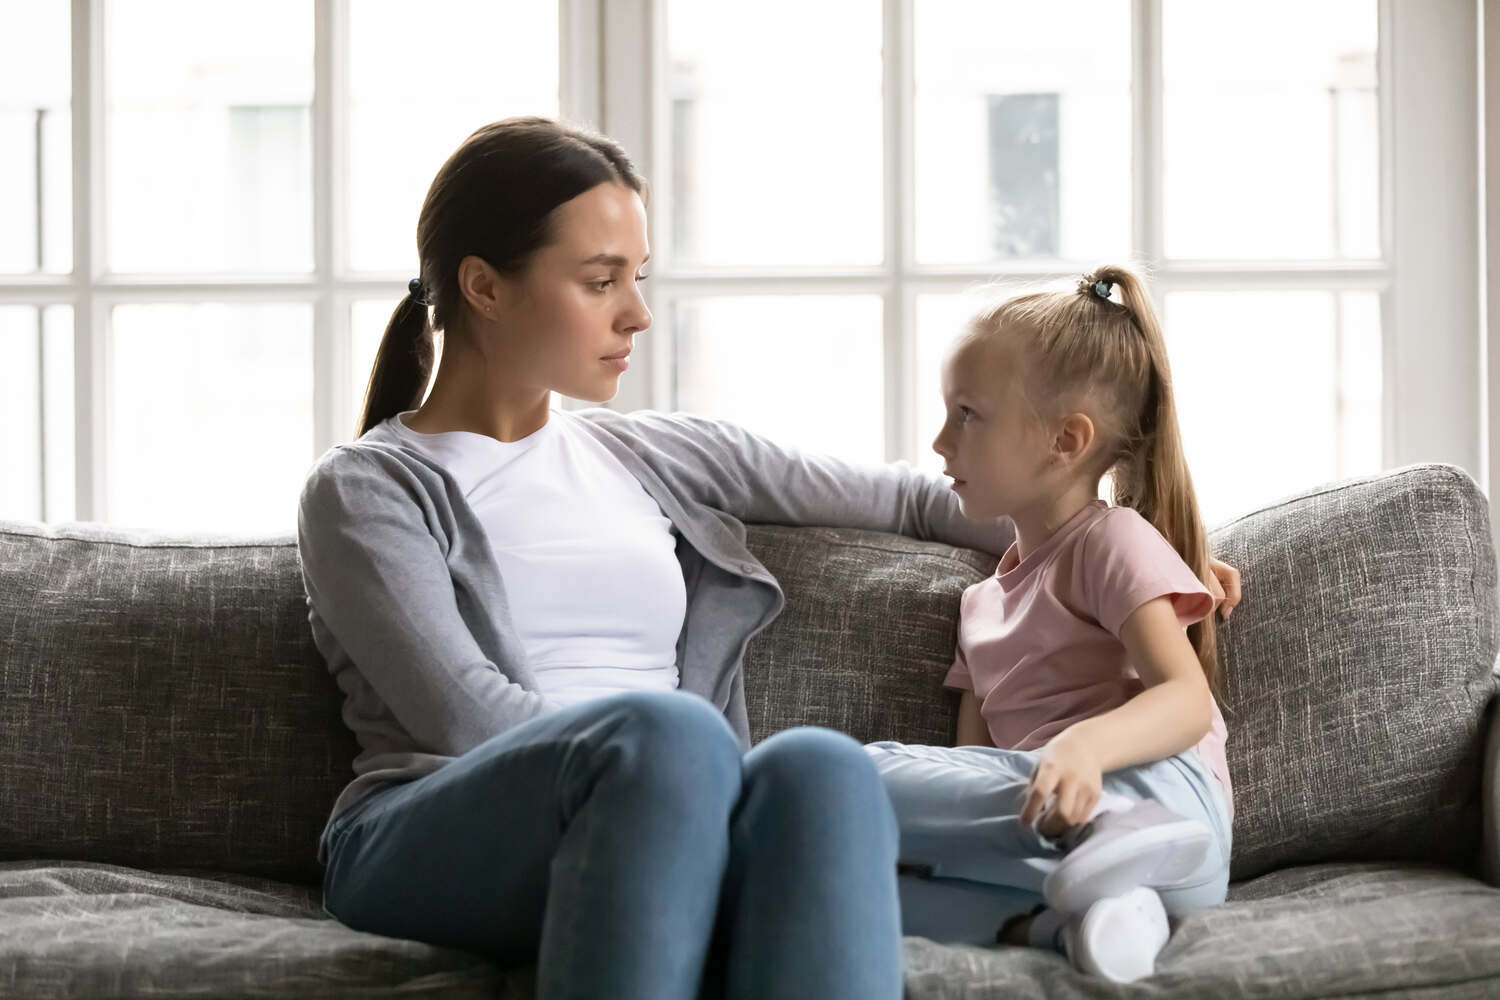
[1157, 857]
[1093, 938]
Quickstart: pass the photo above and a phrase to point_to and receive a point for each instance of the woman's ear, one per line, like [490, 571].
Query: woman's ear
[480, 285]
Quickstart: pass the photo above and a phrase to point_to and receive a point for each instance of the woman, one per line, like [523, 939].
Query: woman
[539, 617]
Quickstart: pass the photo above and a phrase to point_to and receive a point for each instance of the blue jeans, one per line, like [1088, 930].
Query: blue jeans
[628, 848]
[959, 813]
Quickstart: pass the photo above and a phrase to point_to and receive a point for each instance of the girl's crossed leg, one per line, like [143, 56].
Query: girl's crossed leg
[969, 863]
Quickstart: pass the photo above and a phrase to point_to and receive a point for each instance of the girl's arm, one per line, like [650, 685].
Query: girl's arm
[972, 729]
[1170, 716]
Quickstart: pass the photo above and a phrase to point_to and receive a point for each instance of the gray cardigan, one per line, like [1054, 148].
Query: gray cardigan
[409, 611]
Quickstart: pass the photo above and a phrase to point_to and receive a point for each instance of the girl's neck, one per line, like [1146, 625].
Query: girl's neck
[1040, 520]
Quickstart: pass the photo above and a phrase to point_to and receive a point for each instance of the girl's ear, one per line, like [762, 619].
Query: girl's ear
[1074, 438]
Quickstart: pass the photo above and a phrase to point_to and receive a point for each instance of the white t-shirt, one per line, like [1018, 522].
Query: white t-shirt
[588, 559]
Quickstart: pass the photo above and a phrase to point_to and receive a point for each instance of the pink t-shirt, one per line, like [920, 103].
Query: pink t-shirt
[1039, 642]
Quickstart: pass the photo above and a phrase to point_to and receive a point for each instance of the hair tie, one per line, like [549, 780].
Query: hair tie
[1102, 289]
[414, 289]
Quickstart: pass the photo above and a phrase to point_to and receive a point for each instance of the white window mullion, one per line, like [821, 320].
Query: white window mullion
[332, 405]
[90, 321]
[631, 37]
[1434, 382]
[1148, 217]
[899, 339]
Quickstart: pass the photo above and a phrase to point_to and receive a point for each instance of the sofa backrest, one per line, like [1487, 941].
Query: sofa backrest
[162, 704]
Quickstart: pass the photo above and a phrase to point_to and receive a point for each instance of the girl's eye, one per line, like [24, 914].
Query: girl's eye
[600, 286]
[965, 413]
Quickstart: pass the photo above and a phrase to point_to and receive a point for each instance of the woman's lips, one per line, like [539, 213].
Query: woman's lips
[619, 364]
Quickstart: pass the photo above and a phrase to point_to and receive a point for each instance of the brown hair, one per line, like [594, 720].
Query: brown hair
[494, 199]
[1083, 350]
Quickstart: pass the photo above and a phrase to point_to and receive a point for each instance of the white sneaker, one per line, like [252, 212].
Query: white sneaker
[1119, 937]
[1145, 845]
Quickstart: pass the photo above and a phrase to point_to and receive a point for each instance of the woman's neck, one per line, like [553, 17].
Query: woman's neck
[465, 397]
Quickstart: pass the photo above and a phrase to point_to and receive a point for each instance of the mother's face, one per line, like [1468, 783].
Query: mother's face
[568, 321]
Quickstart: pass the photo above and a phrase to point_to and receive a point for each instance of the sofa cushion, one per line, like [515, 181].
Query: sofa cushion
[86, 930]
[162, 704]
[1357, 669]
[866, 636]
[1345, 930]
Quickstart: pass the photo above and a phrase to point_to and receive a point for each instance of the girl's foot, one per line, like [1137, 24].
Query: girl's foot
[1119, 937]
[1145, 845]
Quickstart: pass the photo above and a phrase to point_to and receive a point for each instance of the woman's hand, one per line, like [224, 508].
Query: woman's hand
[1224, 584]
[1065, 787]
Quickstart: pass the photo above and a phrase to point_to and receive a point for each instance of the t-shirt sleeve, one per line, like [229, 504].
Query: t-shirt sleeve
[1126, 562]
[958, 674]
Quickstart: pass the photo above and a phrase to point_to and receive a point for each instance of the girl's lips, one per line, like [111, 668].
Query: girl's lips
[619, 364]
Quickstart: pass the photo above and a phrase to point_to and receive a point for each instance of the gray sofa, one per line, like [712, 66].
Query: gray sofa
[170, 744]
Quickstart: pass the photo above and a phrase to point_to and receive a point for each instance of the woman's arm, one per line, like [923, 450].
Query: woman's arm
[757, 480]
[973, 731]
[377, 578]
[1171, 715]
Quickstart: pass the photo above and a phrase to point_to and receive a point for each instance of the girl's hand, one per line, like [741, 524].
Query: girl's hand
[1224, 584]
[1068, 774]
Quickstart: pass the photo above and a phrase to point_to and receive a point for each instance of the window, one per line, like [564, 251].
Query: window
[1244, 167]
[250, 193]
[201, 242]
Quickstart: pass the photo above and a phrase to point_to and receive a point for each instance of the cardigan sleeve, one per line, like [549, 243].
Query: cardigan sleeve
[378, 579]
[754, 479]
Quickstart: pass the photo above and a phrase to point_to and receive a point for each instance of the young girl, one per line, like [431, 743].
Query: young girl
[1088, 797]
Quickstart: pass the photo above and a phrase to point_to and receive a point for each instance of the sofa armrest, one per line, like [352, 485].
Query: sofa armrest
[1489, 793]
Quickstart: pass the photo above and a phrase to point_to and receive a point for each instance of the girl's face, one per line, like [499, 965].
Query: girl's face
[990, 443]
[567, 323]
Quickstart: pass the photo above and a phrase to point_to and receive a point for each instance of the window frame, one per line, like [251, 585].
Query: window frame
[1427, 277]
[613, 75]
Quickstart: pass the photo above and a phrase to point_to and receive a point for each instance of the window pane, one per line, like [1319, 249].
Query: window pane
[775, 132]
[1256, 428]
[209, 135]
[1023, 145]
[36, 405]
[803, 370]
[211, 416]
[420, 82]
[1271, 157]
[36, 141]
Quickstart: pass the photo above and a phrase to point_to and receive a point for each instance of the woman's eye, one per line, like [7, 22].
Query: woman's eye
[964, 413]
[641, 277]
[600, 286]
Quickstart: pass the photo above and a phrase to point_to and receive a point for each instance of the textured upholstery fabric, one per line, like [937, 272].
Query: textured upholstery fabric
[1357, 671]
[79, 930]
[162, 705]
[1345, 930]
[162, 708]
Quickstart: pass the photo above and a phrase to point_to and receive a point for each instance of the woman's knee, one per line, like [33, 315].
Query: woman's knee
[673, 736]
[826, 767]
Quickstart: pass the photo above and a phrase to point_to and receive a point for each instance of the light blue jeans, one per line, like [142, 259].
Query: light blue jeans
[628, 848]
[959, 813]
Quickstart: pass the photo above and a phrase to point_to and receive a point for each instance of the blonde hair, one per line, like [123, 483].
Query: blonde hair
[1082, 350]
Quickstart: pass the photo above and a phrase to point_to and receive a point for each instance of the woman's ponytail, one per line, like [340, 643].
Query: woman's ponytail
[403, 364]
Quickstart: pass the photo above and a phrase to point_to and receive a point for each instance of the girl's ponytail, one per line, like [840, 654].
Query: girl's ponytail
[1151, 472]
[403, 363]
